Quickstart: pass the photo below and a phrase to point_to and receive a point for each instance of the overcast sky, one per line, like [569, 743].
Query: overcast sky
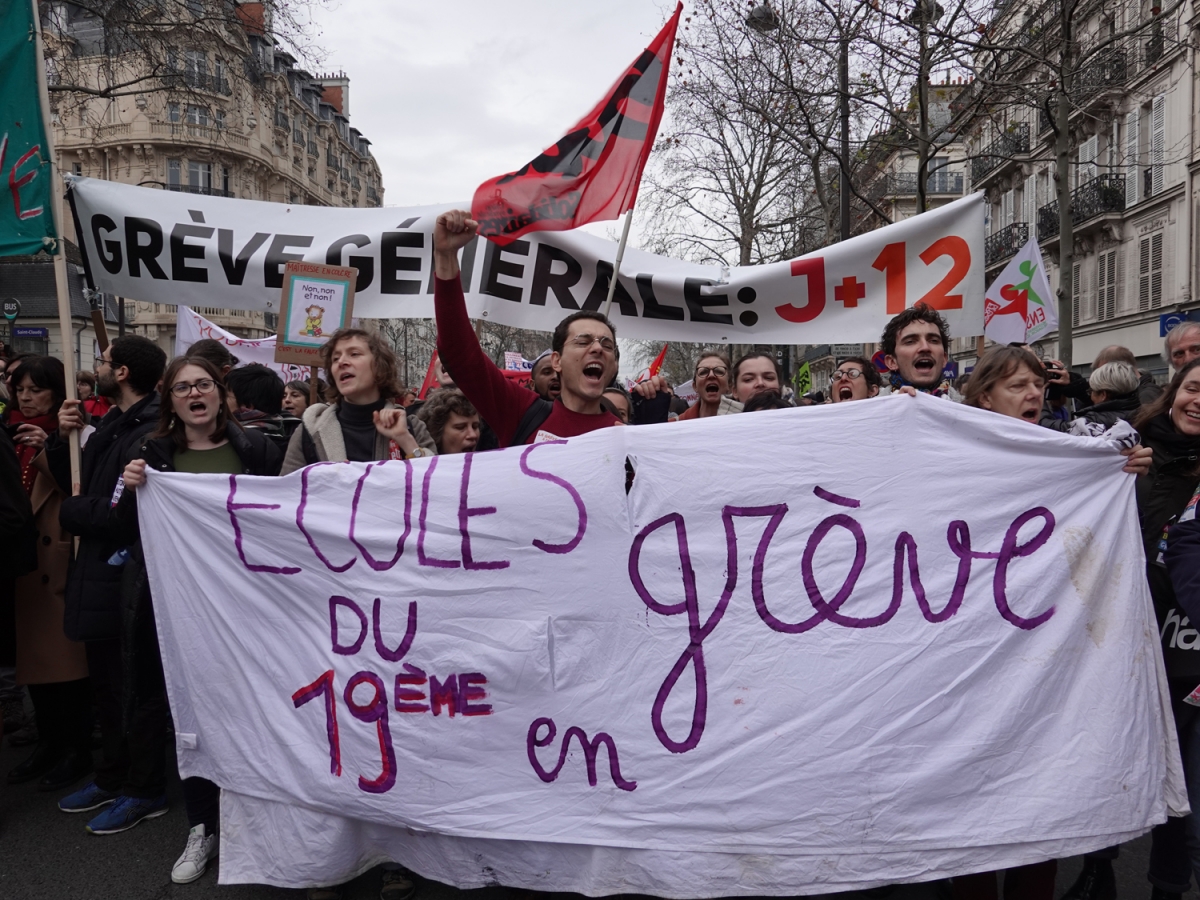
[454, 93]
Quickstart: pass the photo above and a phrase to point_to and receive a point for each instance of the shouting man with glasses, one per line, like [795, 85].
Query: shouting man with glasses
[584, 354]
[854, 379]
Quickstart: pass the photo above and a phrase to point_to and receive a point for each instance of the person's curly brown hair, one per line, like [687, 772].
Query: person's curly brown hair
[436, 411]
[384, 363]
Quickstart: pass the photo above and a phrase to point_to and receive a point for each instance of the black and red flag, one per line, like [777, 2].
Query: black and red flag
[593, 173]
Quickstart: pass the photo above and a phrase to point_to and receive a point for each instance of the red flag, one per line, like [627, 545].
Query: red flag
[429, 379]
[593, 173]
[658, 361]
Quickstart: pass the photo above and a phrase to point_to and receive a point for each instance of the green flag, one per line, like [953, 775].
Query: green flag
[26, 214]
[803, 379]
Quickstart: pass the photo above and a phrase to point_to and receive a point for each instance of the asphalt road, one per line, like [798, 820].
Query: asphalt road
[47, 855]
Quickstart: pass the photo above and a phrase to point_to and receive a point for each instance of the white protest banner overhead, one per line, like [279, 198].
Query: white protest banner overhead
[804, 678]
[169, 247]
[1019, 306]
[190, 327]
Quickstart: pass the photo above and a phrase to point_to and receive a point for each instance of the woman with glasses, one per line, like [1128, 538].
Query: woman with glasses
[854, 379]
[710, 380]
[54, 668]
[195, 434]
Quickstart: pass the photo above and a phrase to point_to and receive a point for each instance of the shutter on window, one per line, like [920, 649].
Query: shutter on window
[1158, 140]
[1156, 270]
[1086, 170]
[1075, 275]
[1131, 158]
[1143, 274]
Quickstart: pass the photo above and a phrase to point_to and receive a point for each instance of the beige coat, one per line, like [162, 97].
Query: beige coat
[44, 655]
[321, 422]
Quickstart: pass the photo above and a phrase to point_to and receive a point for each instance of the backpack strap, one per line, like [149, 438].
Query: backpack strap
[538, 412]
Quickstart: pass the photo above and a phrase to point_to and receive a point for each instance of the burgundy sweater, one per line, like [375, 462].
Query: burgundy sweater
[500, 402]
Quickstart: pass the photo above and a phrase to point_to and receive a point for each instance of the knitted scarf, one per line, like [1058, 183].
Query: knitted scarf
[940, 390]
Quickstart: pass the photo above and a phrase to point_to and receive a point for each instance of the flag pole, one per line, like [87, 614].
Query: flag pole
[612, 285]
[60, 255]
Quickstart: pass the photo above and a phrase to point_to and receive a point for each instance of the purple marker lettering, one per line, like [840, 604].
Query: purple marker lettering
[304, 473]
[324, 685]
[1011, 550]
[422, 559]
[412, 699]
[378, 565]
[410, 632]
[580, 509]
[464, 514]
[444, 694]
[232, 508]
[343, 649]
[376, 711]
[467, 692]
[830, 609]
[590, 749]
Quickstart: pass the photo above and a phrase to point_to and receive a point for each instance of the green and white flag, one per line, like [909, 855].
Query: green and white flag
[1019, 307]
[26, 214]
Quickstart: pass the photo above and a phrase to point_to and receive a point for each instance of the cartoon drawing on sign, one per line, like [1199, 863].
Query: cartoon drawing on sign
[312, 321]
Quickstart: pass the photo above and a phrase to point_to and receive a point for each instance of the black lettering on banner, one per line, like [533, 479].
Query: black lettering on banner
[494, 265]
[696, 302]
[111, 260]
[390, 263]
[147, 253]
[599, 292]
[277, 258]
[651, 308]
[466, 265]
[235, 269]
[181, 252]
[364, 264]
[545, 279]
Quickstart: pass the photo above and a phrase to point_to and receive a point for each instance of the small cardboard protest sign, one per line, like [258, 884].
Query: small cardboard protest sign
[317, 300]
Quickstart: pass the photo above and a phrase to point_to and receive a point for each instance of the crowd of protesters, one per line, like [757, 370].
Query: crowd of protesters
[77, 628]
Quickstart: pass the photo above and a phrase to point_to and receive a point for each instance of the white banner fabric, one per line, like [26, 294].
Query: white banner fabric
[190, 327]
[171, 247]
[804, 671]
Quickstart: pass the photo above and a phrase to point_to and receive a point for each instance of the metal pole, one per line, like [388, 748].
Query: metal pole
[612, 285]
[844, 101]
[60, 255]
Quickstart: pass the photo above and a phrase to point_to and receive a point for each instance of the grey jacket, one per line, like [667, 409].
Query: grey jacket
[319, 439]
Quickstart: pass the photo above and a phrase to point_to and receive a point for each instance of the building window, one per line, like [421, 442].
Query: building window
[225, 180]
[219, 118]
[197, 115]
[173, 112]
[174, 170]
[200, 177]
[1076, 277]
[1106, 288]
[77, 168]
[195, 68]
[1150, 271]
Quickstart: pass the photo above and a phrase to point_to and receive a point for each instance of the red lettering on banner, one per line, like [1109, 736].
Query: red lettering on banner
[849, 292]
[813, 269]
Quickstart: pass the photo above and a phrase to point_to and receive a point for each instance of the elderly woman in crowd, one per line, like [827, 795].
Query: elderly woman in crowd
[1113, 388]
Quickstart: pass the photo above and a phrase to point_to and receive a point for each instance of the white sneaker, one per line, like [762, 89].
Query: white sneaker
[200, 849]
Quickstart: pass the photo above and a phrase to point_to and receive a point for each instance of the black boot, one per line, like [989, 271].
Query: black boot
[1095, 882]
[44, 758]
[73, 766]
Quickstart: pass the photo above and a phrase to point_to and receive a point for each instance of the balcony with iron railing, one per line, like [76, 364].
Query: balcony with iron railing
[298, 138]
[1003, 149]
[312, 149]
[199, 189]
[282, 120]
[1104, 73]
[904, 184]
[1100, 196]
[1005, 243]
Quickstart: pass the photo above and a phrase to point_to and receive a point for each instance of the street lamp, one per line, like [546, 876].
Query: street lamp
[763, 19]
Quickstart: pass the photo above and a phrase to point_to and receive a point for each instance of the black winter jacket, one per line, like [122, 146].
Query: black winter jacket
[140, 661]
[93, 600]
[1106, 414]
[18, 539]
[1162, 494]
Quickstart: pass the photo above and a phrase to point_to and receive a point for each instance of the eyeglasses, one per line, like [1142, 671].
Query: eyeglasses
[584, 341]
[101, 361]
[845, 373]
[705, 371]
[204, 386]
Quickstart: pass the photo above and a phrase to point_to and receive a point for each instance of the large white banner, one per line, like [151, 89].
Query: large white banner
[801, 666]
[190, 327]
[170, 247]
